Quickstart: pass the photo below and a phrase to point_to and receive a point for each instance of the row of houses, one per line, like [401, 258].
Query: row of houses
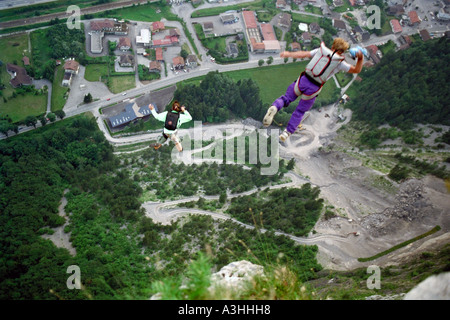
[179, 63]
[261, 38]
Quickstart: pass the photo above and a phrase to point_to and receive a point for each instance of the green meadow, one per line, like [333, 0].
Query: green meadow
[274, 80]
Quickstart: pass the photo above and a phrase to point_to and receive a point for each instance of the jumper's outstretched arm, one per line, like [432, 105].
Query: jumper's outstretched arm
[295, 54]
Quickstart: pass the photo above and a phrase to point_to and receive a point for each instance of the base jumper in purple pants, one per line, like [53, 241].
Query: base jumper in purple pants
[323, 65]
[306, 87]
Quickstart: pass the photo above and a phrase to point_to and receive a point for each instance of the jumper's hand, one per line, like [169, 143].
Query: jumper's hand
[359, 54]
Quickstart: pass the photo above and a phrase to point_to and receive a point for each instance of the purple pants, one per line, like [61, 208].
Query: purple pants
[305, 87]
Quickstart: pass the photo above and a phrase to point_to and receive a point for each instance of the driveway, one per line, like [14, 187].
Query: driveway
[39, 84]
[81, 87]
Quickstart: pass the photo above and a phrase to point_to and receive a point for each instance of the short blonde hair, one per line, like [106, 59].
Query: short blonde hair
[340, 44]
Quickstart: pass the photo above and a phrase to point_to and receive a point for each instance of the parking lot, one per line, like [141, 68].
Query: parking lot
[220, 28]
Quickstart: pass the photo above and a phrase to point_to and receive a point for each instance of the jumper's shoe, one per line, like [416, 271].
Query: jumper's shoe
[268, 118]
[284, 136]
[156, 146]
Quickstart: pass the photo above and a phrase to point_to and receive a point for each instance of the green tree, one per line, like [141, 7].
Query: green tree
[87, 98]
[184, 54]
[260, 62]
[60, 114]
[31, 121]
[5, 126]
[51, 116]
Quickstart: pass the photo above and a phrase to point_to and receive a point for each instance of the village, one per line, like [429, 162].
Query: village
[145, 53]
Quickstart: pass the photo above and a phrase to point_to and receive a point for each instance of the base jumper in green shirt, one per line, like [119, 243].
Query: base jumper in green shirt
[172, 121]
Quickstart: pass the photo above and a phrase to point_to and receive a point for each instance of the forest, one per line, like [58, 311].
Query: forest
[55, 43]
[407, 87]
[151, 171]
[291, 210]
[218, 98]
[119, 251]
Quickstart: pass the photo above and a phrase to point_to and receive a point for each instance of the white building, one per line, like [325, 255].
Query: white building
[145, 38]
[303, 27]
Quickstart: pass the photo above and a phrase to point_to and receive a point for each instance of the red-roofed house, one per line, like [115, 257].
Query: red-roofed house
[257, 46]
[249, 19]
[372, 49]
[280, 4]
[20, 76]
[159, 54]
[174, 40]
[295, 46]
[413, 18]
[374, 53]
[155, 66]
[124, 44]
[161, 43]
[71, 66]
[178, 62]
[395, 25]
[105, 26]
[157, 26]
[267, 32]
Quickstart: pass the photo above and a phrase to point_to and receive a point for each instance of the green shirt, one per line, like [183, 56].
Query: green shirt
[184, 117]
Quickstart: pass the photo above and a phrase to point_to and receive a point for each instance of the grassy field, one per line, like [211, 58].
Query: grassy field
[305, 18]
[40, 46]
[274, 80]
[284, 74]
[22, 106]
[95, 71]
[58, 91]
[143, 12]
[117, 84]
[12, 50]
[217, 43]
[310, 8]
